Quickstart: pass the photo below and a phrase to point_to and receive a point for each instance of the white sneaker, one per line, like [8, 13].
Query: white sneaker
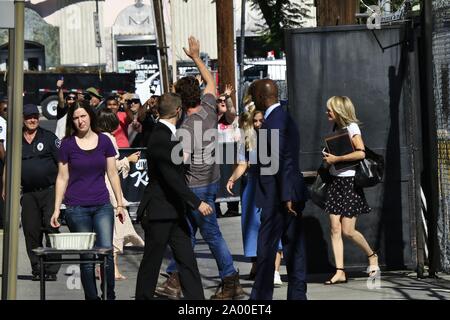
[277, 279]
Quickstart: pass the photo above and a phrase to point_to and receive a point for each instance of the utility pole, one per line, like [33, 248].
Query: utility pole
[225, 44]
[431, 158]
[333, 13]
[14, 156]
[162, 46]
[241, 56]
[9, 72]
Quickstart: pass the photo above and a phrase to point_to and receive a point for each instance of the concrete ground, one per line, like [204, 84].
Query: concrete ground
[398, 285]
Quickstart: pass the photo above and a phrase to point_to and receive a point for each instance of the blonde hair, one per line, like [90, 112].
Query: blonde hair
[343, 109]
[246, 124]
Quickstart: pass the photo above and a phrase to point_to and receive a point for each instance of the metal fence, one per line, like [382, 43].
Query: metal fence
[441, 61]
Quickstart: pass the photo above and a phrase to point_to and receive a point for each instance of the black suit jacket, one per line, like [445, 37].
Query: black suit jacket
[167, 194]
[285, 182]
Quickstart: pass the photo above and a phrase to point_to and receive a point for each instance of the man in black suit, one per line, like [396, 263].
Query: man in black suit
[281, 194]
[163, 207]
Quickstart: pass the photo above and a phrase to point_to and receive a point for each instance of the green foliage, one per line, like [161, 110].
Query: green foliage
[280, 15]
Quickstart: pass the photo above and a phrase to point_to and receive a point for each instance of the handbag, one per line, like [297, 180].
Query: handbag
[319, 187]
[369, 171]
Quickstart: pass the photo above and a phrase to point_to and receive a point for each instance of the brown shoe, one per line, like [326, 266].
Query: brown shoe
[171, 288]
[229, 289]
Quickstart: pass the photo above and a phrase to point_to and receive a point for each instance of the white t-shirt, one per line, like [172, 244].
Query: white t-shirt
[353, 129]
[3, 131]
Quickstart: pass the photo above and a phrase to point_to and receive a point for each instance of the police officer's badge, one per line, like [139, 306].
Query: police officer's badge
[40, 146]
[58, 143]
[1, 129]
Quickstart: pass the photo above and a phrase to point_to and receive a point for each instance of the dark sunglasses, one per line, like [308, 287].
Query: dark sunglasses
[133, 101]
[220, 100]
[71, 98]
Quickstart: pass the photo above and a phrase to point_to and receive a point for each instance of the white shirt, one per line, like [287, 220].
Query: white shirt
[170, 126]
[353, 129]
[270, 109]
[3, 131]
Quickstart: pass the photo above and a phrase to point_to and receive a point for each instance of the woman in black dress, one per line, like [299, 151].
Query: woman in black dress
[345, 201]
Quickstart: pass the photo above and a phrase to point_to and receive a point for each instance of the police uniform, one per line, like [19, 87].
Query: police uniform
[39, 172]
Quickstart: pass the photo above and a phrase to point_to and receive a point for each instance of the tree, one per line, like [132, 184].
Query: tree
[280, 15]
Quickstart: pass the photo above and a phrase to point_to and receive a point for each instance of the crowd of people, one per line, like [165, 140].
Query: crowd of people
[78, 168]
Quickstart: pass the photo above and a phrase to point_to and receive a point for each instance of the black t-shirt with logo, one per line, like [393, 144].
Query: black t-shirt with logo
[40, 160]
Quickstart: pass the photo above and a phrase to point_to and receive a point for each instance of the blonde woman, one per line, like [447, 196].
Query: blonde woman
[250, 122]
[344, 201]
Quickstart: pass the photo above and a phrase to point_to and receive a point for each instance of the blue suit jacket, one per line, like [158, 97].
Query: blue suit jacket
[286, 183]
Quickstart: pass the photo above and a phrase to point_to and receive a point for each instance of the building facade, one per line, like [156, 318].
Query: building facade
[120, 35]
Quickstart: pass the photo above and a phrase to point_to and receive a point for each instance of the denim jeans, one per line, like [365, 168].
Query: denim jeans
[209, 229]
[98, 219]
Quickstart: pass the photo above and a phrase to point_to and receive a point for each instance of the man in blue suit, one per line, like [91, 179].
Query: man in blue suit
[281, 193]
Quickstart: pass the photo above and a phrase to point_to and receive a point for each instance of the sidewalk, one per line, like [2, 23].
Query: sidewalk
[399, 285]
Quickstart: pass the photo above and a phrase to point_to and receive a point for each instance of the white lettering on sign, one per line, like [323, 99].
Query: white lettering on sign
[141, 177]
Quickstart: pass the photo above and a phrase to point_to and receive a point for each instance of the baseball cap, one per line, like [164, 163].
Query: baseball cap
[30, 109]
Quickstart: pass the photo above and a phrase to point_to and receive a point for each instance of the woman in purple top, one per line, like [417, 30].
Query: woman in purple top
[84, 157]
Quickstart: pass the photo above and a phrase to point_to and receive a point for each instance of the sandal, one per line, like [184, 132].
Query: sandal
[329, 282]
[372, 270]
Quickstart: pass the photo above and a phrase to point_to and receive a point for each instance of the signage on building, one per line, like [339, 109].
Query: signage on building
[98, 38]
[6, 14]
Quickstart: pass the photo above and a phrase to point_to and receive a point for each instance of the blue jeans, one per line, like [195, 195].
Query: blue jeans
[209, 229]
[98, 219]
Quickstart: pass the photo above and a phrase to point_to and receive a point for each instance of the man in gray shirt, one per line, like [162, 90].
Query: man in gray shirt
[199, 138]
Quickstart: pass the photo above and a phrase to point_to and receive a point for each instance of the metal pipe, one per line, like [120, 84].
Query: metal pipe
[14, 154]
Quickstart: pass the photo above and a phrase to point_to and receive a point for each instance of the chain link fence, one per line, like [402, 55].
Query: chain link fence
[441, 62]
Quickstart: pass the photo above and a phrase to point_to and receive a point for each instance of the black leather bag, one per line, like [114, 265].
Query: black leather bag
[369, 171]
[320, 186]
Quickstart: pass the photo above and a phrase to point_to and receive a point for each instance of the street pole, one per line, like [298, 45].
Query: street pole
[10, 72]
[14, 156]
[431, 164]
[162, 47]
[225, 34]
[242, 54]
[174, 44]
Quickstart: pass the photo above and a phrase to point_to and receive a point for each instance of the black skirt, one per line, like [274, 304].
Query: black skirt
[344, 199]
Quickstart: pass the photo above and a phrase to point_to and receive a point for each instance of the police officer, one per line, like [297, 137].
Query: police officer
[39, 171]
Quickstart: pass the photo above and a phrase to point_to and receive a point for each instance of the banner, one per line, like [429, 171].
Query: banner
[134, 185]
